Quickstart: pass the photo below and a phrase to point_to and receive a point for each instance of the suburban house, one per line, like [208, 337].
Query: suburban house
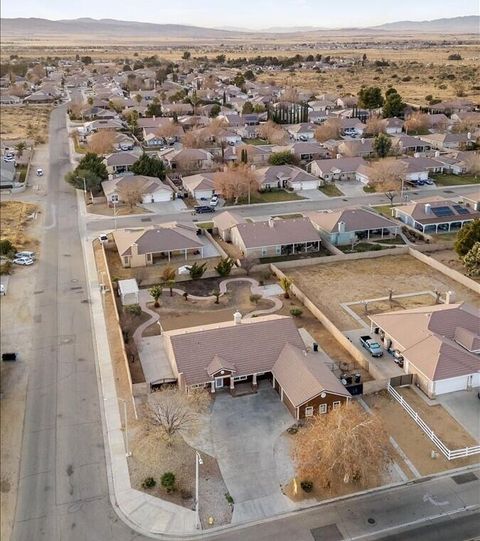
[285, 176]
[416, 168]
[352, 127]
[472, 199]
[305, 152]
[267, 348]
[406, 144]
[256, 154]
[346, 226]
[187, 159]
[356, 147]
[302, 132]
[200, 186]
[440, 345]
[224, 222]
[435, 214]
[141, 247]
[449, 141]
[336, 169]
[147, 189]
[276, 237]
[120, 162]
[393, 126]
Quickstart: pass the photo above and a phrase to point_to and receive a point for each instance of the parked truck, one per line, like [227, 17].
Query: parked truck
[373, 347]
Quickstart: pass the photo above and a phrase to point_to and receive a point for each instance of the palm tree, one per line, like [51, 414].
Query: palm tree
[156, 293]
[168, 278]
[286, 284]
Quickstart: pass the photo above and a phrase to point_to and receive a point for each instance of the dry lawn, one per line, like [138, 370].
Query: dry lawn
[330, 284]
[412, 440]
[14, 222]
[25, 122]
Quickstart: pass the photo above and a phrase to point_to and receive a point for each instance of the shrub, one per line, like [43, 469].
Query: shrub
[6, 247]
[307, 486]
[197, 271]
[133, 309]
[224, 266]
[296, 312]
[255, 297]
[5, 267]
[228, 498]
[148, 482]
[168, 481]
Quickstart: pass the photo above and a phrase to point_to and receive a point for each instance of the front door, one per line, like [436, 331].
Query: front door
[218, 383]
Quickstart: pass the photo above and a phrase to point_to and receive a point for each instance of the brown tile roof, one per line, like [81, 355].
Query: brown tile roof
[156, 239]
[304, 376]
[426, 337]
[277, 232]
[251, 346]
[226, 220]
[354, 219]
[417, 210]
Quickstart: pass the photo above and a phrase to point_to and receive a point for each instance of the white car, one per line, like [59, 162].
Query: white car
[39, 172]
[27, 254]
[214, 201]
[103, 237]
[23, 261]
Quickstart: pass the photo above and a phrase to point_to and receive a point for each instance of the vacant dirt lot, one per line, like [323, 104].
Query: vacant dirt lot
[412, 440]
[25, 122]
[449, 257]
[14, 220]
[329, 284]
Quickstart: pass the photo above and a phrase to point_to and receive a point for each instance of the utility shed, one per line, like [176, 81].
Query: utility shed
[128, 291]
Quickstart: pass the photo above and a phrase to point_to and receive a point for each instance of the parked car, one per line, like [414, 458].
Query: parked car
[204, 209]
[27, 254]
[23, 261]
[373, 347]
[429, 181]
[103, 237]
[3, 289]
[214, 201]
[420, 182]
[39, 172]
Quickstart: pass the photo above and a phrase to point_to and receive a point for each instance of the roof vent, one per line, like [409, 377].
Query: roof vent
[428, 208]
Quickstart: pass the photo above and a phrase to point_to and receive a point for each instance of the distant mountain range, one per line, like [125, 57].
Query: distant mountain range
[106, 28]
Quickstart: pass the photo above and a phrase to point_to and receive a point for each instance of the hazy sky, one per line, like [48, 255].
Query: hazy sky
[245, 13]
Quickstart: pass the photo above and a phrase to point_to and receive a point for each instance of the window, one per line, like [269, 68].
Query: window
[322, 408]
[264, 251]
[239, 378]
[278, 250]
[336, 404]
[309, 411]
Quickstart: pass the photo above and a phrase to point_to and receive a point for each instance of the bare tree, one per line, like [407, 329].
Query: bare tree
[330, 129]
[195, 139]
[102, 142]
[291, 95]
[272, 133]
[167, 130]
[247, 264]
[417, 122]
[235, 182]
[388, 175]
[472, 163]
[466, 125]
[175, 412]
[347, 444]
[131, 195]
[375, 125]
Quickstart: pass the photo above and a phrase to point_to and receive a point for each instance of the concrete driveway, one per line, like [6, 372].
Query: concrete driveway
[464, 406]
[244, 431]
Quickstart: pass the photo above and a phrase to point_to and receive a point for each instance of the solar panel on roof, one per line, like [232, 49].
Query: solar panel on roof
[461, 210]
[442, 211]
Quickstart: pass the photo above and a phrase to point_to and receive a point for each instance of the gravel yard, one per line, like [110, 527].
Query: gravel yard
[330, 284]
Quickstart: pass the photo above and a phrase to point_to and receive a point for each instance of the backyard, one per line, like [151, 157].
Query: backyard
[329, 284]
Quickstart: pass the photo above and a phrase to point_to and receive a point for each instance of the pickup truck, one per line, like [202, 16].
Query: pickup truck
[373, 347]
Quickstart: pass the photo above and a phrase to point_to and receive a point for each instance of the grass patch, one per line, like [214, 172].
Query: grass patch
[363, 247]
[331, 190]
[369, 189]
[22, 170]
[255, 141]
[205, 225]
[454, 180]
[397, 240]
[288, 216]
[270, 197]
[323, 252]
[384, 210]
[79, 149]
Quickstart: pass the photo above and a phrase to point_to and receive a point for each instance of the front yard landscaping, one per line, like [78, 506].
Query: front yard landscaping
[273, 196]
[444, 179]
[331, 190]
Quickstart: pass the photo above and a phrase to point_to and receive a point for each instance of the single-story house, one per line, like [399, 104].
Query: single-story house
[345, 226]
[149, 189]
[224, 222]
[187, 159]
[285, 176]
[408, 144]
[356, 147]
[120, 162]
[352, 126]
[104, 124]
[435, 214]
[302, 132]
[440, 345]
[416, 168]
[276, 237]
[200, 186]
[393, 126]
[256, 154]
[449, 141]
[40, 97]
[140, 247]
[268, 348]
[305, 152]
[336, 169]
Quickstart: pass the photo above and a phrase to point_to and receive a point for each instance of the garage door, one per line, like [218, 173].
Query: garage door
[451, 385]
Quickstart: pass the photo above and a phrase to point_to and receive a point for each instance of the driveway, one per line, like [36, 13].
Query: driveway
[244, 431]
[464, 406]
[351, 188]
[166, 207]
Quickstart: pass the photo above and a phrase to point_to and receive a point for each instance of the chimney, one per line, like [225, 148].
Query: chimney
[428, 208]
[341, 227]
[237, 318]
[271, 222]
[134, 248]
[449, 297]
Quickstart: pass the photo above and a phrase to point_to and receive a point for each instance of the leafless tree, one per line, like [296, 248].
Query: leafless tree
[348, 444]
[272, 133]
[176, 412]
[247, 264]
[102, 142]
[387, 175]
[472, 163]
[330, 129]
[375, 125]
[417, 122]
[235, 182]
[130, 195]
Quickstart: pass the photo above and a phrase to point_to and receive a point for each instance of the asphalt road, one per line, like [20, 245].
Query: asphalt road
[96, 223]
[63, 491]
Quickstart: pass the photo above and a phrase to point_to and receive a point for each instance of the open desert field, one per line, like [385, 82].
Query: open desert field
[330, 284]
[25, 122]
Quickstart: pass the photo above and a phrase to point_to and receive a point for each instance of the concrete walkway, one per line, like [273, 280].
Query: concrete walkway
[144, 298]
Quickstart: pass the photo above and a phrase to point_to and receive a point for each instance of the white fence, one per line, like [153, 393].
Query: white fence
[450, 455]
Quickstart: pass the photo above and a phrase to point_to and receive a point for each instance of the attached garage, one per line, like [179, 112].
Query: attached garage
[461, 383]
[304, 185]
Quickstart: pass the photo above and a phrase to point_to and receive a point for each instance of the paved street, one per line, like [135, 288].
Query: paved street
[63, 491]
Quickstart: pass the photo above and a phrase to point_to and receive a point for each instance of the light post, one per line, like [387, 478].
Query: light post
[198, 462]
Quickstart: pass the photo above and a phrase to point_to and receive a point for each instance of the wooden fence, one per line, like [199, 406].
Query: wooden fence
[449, 454]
